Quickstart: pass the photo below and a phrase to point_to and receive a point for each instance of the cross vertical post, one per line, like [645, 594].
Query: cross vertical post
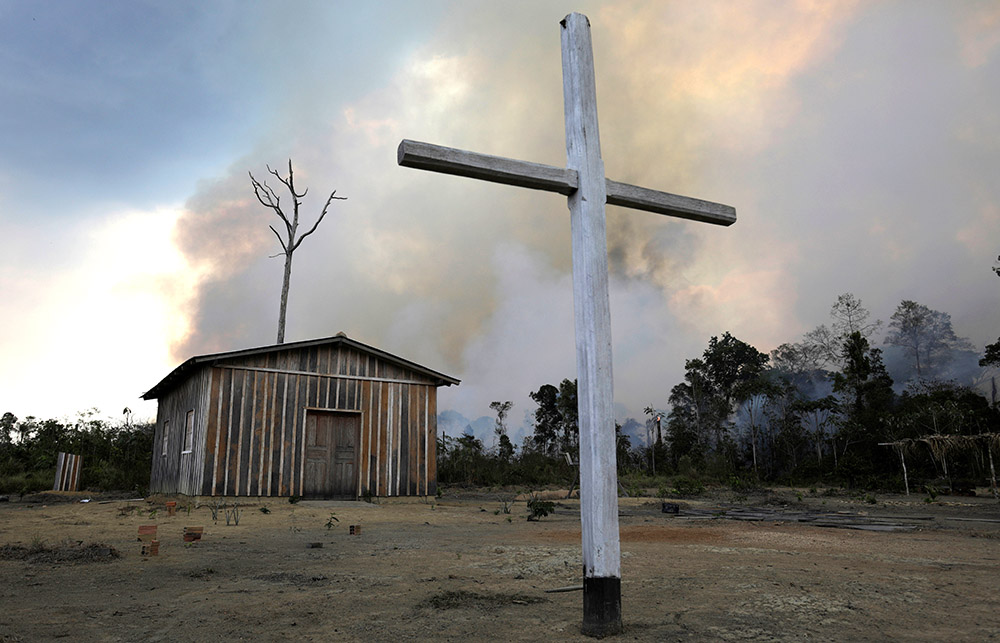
[587, 189]
[592, 313]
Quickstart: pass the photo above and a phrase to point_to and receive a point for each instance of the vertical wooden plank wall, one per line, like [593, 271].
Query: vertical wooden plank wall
[68, 467]
[177, 471]
[256, 413]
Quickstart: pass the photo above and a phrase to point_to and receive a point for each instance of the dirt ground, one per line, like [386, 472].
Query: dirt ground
[458, 568]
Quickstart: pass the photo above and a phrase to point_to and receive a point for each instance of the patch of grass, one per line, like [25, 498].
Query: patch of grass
[685, 486]
[484, 601]
[23, 483]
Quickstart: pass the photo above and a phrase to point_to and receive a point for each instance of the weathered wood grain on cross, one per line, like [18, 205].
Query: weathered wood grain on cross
[584, 183]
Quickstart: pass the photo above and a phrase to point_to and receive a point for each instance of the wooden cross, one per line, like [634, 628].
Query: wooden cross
[587, 189]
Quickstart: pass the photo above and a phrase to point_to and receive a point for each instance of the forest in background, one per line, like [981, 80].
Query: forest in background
[116, 455]
[846, 406]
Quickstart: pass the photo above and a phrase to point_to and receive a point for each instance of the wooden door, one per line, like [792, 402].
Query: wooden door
[331, 454]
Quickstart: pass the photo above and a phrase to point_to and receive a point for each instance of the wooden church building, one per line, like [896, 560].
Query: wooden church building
[325, 418]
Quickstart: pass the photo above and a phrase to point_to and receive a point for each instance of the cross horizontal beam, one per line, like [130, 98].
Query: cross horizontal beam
[537, 176]
[497, 169]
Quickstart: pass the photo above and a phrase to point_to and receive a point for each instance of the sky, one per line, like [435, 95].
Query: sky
[858, 141]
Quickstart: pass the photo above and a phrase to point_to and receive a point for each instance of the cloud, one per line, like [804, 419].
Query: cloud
[105, 320]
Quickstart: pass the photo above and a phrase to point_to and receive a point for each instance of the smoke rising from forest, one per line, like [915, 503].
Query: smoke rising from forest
[857, 142]
[441, 95]
[737, 104]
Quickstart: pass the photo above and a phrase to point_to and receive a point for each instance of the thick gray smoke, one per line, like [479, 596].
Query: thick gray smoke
[843, 164]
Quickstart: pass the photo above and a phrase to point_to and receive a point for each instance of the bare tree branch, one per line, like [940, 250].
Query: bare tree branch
[265, 194]
[284, 249]
[281, 178]
[269, 199]
[320, 219]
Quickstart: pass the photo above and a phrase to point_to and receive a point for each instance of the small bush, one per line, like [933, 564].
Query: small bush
[539, 508]
[332, 519]
[685, 486]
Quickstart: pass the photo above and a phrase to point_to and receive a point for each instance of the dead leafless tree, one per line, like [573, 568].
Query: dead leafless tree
[269, 199]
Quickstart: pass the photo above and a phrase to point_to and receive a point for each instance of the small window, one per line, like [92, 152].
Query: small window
[166, 434]
[189, 432]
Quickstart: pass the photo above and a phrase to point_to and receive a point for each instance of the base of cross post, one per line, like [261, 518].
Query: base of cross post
[602, 606]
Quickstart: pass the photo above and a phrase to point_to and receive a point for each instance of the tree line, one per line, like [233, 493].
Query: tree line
[817, 411]
[116, 455]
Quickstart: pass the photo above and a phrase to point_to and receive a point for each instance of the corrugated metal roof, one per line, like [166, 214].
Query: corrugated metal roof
[177, 375]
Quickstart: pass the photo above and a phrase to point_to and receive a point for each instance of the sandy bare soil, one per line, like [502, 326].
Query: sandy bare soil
[454, 569]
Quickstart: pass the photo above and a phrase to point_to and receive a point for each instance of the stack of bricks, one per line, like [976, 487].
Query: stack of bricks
[171, 507]
[355, 530]
[150, 545]
[192, 534]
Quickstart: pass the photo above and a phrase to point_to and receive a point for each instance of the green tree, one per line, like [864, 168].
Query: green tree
[548, 419]
[731, 364]
[866, 388]
[864, 380]
[7, 424]
[991, 357]
[505, 448]
[568, 406]
[696, 412]
[703, 403]
[556, 426]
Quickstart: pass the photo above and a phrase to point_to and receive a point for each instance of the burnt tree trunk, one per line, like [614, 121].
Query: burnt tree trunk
[284, 298]
[289, 243]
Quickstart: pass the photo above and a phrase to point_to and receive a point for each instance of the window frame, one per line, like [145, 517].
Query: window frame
[188, 432]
